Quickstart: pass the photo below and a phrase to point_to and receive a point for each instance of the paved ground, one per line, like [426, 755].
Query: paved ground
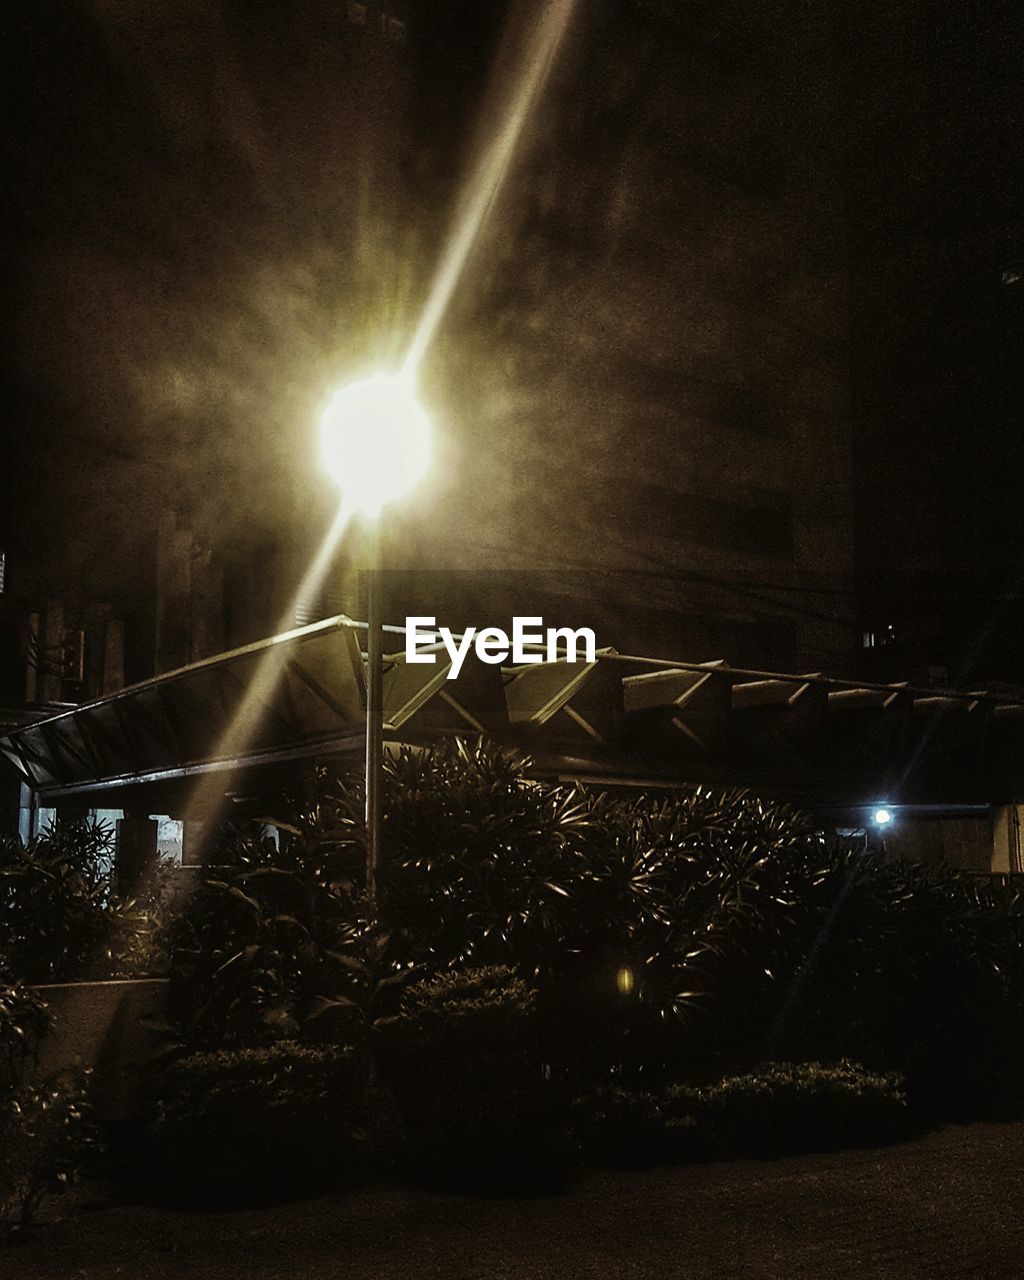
[948, 1205]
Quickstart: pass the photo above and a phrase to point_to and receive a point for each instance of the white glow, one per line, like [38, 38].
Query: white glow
[882, 817]
[375, 441]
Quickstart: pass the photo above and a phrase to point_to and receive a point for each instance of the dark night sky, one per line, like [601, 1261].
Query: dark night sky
[209, 200]
[937, 325]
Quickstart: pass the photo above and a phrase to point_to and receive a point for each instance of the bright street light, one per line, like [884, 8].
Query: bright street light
[375, 441]
[882, 817]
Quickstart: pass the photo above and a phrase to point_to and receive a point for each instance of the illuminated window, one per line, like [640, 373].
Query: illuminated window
[45, 818]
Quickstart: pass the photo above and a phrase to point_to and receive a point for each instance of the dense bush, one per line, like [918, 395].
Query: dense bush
[475, 1019]
[272, 945]
[462, 1059]
[619, 1126]
[247, 1121]
[781, 1108]
[61, 918]
[44, 1127]
[787, 1107]
[23, 1023]
[692, 894]
[686, 936]
[45, 1135]
[915, 969]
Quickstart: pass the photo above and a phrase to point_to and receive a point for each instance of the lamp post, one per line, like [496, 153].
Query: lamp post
[375, 443]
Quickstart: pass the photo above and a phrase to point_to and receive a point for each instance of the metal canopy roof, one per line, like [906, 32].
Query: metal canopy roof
[301, 694]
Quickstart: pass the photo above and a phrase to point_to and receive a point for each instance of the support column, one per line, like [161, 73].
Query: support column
[1006, 838]
[26, 813]
[136, 851]
[196, 834]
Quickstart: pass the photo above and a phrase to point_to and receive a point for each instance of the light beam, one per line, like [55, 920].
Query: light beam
[490, 173]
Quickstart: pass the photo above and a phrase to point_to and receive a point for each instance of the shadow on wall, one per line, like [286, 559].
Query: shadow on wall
[98, 1026]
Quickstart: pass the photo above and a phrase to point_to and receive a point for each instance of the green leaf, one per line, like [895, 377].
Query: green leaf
[331, 1004]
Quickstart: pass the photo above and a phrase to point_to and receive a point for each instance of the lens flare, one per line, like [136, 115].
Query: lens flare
[375, 438]
[483, 188]
[207, 798]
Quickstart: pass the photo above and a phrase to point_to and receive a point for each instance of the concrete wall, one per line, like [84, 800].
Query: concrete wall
[1006, 838]
[963, 843]
[97, 1025]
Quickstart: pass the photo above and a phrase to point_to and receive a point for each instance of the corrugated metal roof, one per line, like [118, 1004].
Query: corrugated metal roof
[301, 694]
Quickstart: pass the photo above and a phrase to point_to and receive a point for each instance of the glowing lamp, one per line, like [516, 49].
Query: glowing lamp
[375, 441]
[882, 817]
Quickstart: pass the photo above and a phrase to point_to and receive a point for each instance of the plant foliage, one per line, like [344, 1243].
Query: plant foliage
[463, 1061]
[780, 1108]
[272, 944]
[45, 1136]
[695, 933]
[23, 1023]
[244, 1121]
[61, 919]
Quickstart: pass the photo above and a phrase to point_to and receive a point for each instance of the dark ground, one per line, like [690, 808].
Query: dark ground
[947, 1205]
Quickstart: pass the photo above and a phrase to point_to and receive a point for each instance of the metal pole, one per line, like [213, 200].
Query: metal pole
[374, 719]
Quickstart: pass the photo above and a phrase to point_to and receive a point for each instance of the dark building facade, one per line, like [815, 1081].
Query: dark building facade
[937, 327]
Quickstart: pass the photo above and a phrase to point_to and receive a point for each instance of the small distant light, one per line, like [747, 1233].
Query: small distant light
[1011, 275]
[625, 980]
[882, 817]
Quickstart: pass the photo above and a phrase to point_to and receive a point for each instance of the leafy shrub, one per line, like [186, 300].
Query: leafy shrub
[476, 1019]
[482, 863]
[270, 946]
[618, 1126]
[23, 1023]
[45, 1135]
[699, 933]
[44, 1128]
[60, 917]
[248, 1121]
[788, 1107]
[54, 895]
[694, 893]
[915, 969]
[462, 1059]
[782, 1108]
